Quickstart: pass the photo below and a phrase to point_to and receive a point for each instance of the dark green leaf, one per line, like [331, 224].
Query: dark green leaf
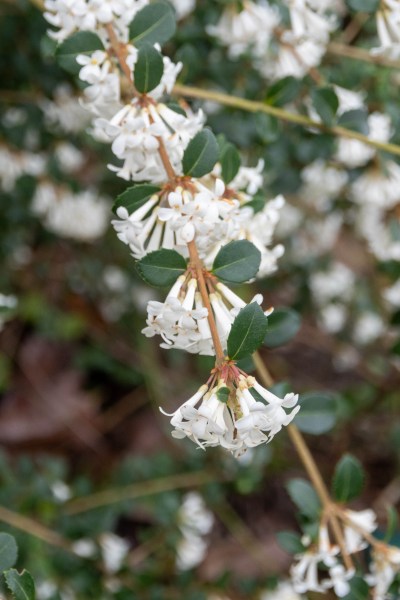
[356, 120]
[257, 203]
[283, 324]
[230, 162]
[348, 479]
[155, 23]
[8, 551]
[201, 154]
[237, 262]
[268, 128]
[149, 69]
[135, 196]
[223, 394]
[283, 91]
[304, 496]
[162, 267]
[21, 584]
[325, 103]
[359, 589]
[367, 6]
[82, 42]
[247, 332]
[290, 541]
[318, 412]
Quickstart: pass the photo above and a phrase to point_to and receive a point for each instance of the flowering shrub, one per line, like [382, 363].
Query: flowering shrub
[192, 211]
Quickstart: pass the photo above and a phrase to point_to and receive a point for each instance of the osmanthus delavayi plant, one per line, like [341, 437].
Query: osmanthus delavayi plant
[194, 219]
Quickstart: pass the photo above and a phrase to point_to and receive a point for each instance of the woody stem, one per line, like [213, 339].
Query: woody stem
[120, 53]
[198, 266]
[311, 468]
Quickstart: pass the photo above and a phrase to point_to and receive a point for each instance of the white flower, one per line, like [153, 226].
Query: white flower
[69, 157]
[230, 416]
[384, 568]
[392, 294]
[61, 491]
[322, 183]
[364, 519]
[388, 26]
[332, 317]
[85, 548]
[354, 153]
[308, 23]
[382, 241]
[195, 521]
[380, 187]
[114, 549]
[336, 282]
[183, 7]
[283, 591]
[368, 327]
[82, 216]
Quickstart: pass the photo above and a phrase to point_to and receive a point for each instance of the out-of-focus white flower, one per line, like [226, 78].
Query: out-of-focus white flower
[283, 591]
[61, 491]
[45, 589]
[371, 222]
[336, 282]
[388, 26]
[85, 548]
[247, 29]
[14, 164]
[364, 519]
[368, 327]
[7, 303]
[392, 294]
[306, 22]
[65, 111]
[290, 57]
[332, 317]
[380, 187]
[114, 550]
[385, 566]
[82, 216]
[354, 153]
[322, 183]
[69, 157]
[183, 7]
[195, 522]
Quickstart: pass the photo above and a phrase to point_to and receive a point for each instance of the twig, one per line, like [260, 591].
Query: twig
[280, 113]
[34, 528]
[137, 490]
[362, 54]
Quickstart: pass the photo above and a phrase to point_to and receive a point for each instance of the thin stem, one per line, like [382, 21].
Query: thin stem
[198, 265]
[120, 53]
[34, 528]
[362, 54]
[138, 490]
[165, 159]
[280, 113]
[311, 468]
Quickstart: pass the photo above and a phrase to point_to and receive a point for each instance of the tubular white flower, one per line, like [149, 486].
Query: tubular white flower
[388, 26]
[378, 187]
[384, 568]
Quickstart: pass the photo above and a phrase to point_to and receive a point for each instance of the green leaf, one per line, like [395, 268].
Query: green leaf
[283, 91]
[356, 120]
[149, 69]
[283, 324]
[237, 262]
[268, 128]
[21, 584]
[134, 197]
[223, 394]
[155, 23]
[82, 42]
[247, 332]
[325, 103]
[318, 412]
[304, 496]
[162, 267]
[290, 541]
[201, 154]
[8, 551]
[367, 6]
[257, 203]
[230, 162]
[359, 589]
[348, 479]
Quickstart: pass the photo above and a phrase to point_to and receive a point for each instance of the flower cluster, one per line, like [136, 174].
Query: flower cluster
[233, 411]
[195, 522]
[324, 556]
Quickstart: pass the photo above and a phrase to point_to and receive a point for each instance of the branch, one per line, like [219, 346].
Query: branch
[280, 113]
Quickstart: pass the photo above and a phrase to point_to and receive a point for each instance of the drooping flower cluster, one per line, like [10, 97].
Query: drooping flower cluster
[233, 411]
[181, 320]
[325, 557]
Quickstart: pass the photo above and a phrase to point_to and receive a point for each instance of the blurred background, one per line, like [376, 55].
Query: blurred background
[102, 501]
